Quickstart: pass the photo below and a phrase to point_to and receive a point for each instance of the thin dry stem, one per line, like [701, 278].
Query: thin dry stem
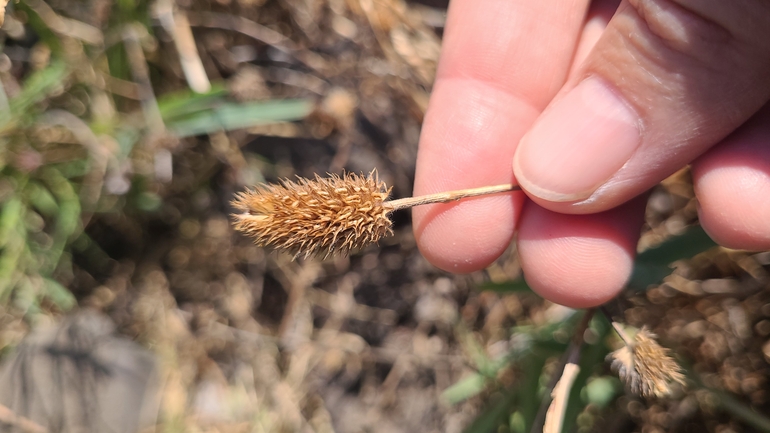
[554, 418]
[627, 339]
[444, 197]
[561, 382]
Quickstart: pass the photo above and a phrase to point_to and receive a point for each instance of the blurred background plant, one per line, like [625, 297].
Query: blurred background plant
[83, 133]
[126, 127]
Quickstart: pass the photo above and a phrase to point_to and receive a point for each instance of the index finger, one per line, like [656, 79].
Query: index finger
[502, 61]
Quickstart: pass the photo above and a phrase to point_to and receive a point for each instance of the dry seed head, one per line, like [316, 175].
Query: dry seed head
[646, 367]
[324, 215]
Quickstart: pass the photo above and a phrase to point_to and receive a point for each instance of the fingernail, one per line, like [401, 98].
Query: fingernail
[577, 144]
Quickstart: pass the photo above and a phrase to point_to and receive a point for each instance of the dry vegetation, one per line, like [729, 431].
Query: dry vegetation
[115, 189]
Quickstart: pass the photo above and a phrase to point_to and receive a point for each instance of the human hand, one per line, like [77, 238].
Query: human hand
[627, 103]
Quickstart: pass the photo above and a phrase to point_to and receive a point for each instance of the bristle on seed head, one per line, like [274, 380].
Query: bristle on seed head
[332, 215]
[646, 367]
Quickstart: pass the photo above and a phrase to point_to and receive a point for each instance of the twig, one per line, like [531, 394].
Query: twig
[141, 75]
[260, 33]
[444, 197]
[617, 326]
[241, 25]
[554, 417]
[66, 26]
[177, 26]
[571, 356]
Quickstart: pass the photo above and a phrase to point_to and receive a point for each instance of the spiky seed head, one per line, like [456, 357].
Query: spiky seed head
[306, 217]
[646, 367]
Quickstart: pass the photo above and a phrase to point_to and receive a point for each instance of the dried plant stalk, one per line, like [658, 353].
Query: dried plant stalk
[554, 418]
[330, 215]
[645, 366]
[305, 217]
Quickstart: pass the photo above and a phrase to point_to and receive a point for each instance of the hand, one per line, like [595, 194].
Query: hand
[591, 113]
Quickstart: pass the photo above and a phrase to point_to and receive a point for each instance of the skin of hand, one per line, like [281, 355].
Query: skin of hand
[587, 105]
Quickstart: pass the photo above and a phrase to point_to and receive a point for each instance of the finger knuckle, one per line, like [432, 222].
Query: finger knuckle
[684, 29]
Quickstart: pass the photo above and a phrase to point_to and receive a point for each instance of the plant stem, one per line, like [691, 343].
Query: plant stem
[444, 197]
[618, 327]
[627, 339]
[570, 356]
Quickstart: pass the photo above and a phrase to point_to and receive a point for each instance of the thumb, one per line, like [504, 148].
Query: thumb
[667, 80]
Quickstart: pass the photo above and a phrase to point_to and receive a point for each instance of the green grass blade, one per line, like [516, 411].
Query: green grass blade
[58, 294]
[68, 218]
[230, 116]
[529, 387]
[464, 389]
[491, 418]
[42, 200]
[176, 105]
[9, 261]
[10, 215]
[39, 86]
[651, 266]
[515, 286]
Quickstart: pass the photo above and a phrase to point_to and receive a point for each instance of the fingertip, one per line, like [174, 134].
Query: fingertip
[579, 261]
[732, 182]
[468, 146]
[468, 235]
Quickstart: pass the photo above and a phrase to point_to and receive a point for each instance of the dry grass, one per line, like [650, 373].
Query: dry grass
[330, 215]
[646, 367]
[321, 216]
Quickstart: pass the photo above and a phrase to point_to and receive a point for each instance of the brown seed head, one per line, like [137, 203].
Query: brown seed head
[308, 217]
[646, 367]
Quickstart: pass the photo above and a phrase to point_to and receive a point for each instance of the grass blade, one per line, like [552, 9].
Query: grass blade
[230, 116]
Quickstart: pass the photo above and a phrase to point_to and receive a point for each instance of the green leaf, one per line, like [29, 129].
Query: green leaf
[10, 215]
[466, 388]
[42, 200]
[68, 218]
[515, 286]
[9, 265]
[491, 418]
[58, 294]
[74, 169]
[741, 411]
[654, 264]
[230, 116]
[528, 387]
[187, 102]
[39, 86]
